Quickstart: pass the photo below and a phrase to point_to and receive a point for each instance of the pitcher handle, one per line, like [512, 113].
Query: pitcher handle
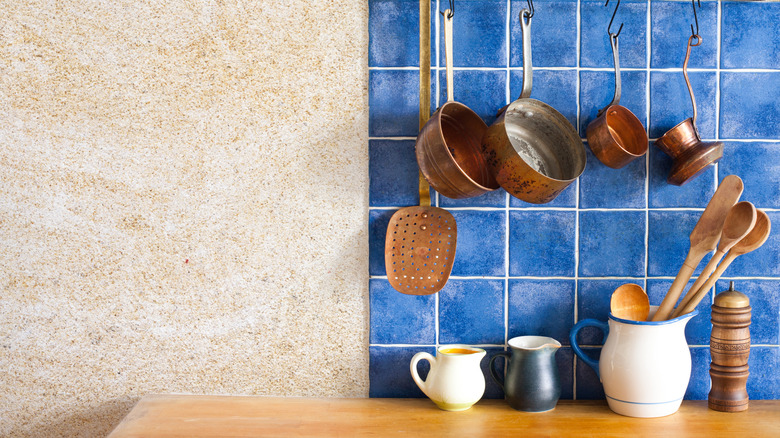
[576, 347]
[494, 372]
[413, 368]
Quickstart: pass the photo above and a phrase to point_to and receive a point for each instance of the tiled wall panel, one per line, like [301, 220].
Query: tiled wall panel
[527, 269]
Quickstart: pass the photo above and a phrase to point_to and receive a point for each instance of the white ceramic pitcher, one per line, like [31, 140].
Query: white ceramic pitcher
[455, 381]
[645, 366]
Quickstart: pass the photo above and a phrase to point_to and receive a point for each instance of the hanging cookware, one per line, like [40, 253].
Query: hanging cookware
[532, 150]
[690, 155]
[448, 146]
[616, 136]
[421, 240]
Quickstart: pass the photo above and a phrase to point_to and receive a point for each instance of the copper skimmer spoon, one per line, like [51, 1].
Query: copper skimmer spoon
[420, 241]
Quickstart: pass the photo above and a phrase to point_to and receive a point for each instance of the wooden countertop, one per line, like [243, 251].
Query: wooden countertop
[239, 416]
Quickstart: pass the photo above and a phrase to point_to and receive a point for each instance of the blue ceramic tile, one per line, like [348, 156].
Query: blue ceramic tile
[695, 193]
[565, 361]
[557, 88]
[481, 242]
[472, 312]
[541, 243]
[393, 103]
[603, 187]
[389, 375]
[764, 380]
[593, 302]
[495, 199]
[393, 173]
[697, 331]
[377, 230]
[492, 389]
[478, 34]
[750, 36]
[765, 304]
[758, 164]
[612, 243]
[553, 37]
[482, 91]
[670, 23]
[398, 318]
[566, 199]
[748, 110]
[699, 385]
[597, 88]
[541, 308]
[589, 386]
[669, 241]
[670, 102]
[393, 33]
[632, 41]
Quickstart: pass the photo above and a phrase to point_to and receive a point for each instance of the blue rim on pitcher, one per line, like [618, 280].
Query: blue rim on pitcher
[653, 323]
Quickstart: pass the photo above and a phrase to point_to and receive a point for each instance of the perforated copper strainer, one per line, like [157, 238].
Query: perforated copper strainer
[421, 240]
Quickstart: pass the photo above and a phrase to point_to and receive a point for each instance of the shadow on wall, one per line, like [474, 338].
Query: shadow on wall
[98, 421]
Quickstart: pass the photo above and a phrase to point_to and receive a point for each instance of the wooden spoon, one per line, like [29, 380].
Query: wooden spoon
[739, 222]
[704, 238]
[630, 301]
[751, 242]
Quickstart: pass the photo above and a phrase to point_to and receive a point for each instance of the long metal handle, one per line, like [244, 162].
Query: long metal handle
[613, 41]
[528, 69]
[685, 72]
[425, 86]
[448, 53]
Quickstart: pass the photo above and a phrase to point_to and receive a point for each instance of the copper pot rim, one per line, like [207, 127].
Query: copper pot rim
[678, 127]
[552, 114]
[634, 121]
[437, 119]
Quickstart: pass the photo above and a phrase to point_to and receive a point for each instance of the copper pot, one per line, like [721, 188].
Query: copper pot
[690, 155]
[533, 150]
[616, 136]
[448, 146]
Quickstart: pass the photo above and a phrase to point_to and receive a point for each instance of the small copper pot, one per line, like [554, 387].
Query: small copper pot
[616, 136]
[448, 147]
[690, 155]
[532, 149]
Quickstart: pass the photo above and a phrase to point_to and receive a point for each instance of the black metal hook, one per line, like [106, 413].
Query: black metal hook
[614, 35]
[695, 18]
[530, 8]
[452, 9]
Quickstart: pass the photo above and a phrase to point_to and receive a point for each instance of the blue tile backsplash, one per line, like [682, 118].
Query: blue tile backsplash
[526, 269]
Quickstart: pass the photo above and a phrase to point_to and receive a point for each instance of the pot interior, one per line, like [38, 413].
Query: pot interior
[544, 139]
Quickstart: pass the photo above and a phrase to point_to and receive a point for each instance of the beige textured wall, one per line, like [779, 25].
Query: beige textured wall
[183, 204]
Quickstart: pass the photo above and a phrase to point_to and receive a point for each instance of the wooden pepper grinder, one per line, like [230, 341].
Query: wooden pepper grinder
[730, 349]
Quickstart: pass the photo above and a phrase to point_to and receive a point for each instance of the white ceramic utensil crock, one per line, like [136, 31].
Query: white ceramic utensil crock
[644, 366]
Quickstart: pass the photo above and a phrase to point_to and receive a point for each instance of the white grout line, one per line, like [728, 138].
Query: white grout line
[577, 199]
[725, 140]
[608, 69]
[648, 52]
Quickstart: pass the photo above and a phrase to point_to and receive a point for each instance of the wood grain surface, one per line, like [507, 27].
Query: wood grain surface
[232, 416]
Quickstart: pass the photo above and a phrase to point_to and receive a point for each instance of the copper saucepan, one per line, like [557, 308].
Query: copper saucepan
[616, 136]
[533, 151]
[448, 146]
[690, 155]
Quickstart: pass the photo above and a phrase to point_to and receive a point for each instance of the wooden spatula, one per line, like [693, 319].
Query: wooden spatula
[704, 238]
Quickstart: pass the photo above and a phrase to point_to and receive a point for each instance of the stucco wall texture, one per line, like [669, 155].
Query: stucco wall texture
[183, 204]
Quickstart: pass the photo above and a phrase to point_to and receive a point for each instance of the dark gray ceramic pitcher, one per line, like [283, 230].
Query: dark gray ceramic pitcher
[532, 382]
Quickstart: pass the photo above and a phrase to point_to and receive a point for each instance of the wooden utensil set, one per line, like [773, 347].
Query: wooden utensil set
[729, 228]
